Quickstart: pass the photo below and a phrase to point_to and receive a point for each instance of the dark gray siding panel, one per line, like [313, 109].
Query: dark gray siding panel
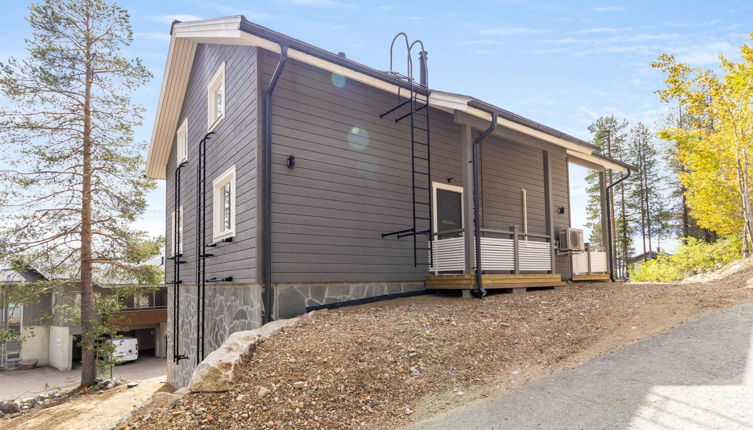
[235, 142]
[506, 168]
[330, 210]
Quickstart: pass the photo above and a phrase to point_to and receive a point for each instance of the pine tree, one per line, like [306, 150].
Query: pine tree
[645, 191]
[679, 219]
[72, 178]
[609, 135]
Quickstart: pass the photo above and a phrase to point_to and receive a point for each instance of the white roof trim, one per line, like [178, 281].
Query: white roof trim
[458, 102]
[592, 159]
[185, 37]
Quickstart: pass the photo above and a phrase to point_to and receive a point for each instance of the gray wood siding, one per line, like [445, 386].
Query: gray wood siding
[506, 168]
[235, 142]
[329, 212]
[561, 198]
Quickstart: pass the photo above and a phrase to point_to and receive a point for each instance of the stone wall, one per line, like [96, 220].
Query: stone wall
[228, 309]
[293, 299]
[237, 308]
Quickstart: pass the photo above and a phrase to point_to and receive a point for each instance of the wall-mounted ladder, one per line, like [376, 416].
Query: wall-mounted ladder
[417, 104]
[177, 258]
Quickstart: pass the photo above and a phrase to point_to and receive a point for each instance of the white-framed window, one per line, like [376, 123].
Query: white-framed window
[223, 205]
[181, 140]
[216, 98]
[179, 247]
[447, 208]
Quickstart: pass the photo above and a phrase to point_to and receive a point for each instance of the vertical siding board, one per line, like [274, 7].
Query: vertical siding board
[235, 142]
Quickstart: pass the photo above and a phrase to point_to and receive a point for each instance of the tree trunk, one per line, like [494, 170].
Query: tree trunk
[88, 363]
[648, 211]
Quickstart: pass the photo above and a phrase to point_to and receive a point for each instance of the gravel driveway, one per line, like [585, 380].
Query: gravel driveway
[698, 375]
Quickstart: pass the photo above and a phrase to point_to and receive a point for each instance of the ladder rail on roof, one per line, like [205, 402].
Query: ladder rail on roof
[420, 145]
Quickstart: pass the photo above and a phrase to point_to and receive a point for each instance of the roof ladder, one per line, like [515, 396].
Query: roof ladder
[420, 145]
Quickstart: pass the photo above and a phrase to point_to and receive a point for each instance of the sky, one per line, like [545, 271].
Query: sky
[564, 64]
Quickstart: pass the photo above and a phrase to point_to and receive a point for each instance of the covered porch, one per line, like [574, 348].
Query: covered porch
[514, 205]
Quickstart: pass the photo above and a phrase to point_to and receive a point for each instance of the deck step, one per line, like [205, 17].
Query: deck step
[494, 281]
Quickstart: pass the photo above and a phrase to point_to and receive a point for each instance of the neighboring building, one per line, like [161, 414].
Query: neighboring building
[355, 180]
[52, 341]
[640, 258]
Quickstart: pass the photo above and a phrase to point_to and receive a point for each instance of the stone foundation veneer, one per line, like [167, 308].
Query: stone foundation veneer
[294, 299]
[228, 309]
[231, 308]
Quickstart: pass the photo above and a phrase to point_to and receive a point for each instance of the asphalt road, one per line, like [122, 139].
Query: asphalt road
[698, 375]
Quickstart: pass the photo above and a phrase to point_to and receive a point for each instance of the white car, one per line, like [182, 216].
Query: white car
[126, 348]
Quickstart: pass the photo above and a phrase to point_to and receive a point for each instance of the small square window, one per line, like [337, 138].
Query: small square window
[216, 98]
[181, 138]
[223, 202]
[179, 224]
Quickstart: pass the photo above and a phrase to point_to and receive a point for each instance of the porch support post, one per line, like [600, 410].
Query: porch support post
[604, 224]
[515, 250]
[467, 148]
[548, 208]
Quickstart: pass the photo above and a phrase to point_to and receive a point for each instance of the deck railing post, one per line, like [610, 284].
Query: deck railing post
[588, 258]
[515, 250]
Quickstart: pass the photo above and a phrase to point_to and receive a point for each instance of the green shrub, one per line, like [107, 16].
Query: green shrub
[692, 257]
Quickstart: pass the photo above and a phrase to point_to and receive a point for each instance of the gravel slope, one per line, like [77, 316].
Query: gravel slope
[390, 363]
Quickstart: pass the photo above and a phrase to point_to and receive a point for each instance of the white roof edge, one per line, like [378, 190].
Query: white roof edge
[227, 31]
[460, 102]
[593, 159]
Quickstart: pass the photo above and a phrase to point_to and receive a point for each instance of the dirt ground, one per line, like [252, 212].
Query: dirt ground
[93, 411]
[391, 363]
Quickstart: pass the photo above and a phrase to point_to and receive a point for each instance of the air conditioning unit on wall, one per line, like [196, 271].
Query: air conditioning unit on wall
[571, 239]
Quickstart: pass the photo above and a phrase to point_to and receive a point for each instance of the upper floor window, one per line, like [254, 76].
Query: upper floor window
[223, 203]
[181, 138]
[216, 98]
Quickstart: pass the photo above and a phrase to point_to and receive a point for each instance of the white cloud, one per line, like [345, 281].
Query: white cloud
[705, 54]
[546, 51]
[512, 30]
[645, 37]
[325, 3]
[571, 41]
[479, 42]
[168, 19]
[608, 9]
[598, 30]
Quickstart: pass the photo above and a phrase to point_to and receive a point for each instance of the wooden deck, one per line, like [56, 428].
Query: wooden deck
[592, 277]
[493, 281]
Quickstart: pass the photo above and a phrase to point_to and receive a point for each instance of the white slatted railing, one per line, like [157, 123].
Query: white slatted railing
[590, 262]
[497, 254]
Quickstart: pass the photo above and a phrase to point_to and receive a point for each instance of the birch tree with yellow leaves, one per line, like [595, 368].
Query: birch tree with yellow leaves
[716, 150]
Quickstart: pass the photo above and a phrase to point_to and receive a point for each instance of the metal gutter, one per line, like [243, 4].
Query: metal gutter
[610, 238]
[506, 114]
[480, 291]
[266, 271]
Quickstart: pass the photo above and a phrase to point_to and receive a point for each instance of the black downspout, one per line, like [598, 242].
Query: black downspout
[612, 251]
[480, 291]
[267, 189]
